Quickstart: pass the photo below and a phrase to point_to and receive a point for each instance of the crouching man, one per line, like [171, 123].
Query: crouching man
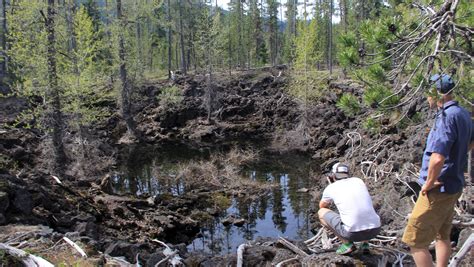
[357, 220]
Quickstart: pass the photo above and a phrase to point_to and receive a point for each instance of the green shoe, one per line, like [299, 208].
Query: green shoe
[346, 248]
[365, 248]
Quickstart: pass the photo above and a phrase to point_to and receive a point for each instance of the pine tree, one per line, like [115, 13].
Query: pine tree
[3, 47]
[259, 49]
[126, 90]
[272, 24]
[54, 92]
[288, 52]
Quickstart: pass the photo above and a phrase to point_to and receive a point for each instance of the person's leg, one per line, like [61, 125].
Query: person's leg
[443, 238]
[321, 213]
[443, 251]
[422, 257]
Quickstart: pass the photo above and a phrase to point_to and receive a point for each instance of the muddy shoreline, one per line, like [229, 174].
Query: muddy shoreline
[250, 109]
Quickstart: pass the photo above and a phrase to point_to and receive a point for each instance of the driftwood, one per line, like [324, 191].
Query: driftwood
[465, 249]
[327, 244]
[76, 247]
[170, 255]
[292, 247]
[240, 254]
[26, 258]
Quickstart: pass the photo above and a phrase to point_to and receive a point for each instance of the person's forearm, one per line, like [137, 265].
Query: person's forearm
[434, 169]
[471, 146]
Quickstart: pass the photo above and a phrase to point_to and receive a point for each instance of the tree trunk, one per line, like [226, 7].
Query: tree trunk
[239, 33]
[330, 36]
[126, 91]
[181, 33]
[138, 38]
[230, 54]
[3, 43]
[344, 13]
[168, 11]
[70, 11]
[54, 93]
[209, 81]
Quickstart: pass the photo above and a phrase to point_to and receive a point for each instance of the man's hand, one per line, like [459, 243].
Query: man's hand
[324, 204]
[434, 169]
[425, 188]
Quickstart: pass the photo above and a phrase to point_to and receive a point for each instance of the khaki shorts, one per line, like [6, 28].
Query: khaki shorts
[430, 219]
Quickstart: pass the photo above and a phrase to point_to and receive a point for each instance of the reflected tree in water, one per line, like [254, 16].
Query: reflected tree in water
[278, 207]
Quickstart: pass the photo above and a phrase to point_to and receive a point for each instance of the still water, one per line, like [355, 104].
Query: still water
[282, 212]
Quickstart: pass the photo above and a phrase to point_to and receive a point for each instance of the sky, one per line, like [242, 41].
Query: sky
[282, 9]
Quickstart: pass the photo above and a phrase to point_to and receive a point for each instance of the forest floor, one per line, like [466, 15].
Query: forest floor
[252, 107]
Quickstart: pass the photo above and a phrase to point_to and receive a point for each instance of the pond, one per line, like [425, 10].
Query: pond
[285, 211]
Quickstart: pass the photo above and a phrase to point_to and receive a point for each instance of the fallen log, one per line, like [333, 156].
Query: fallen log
[26, 258]
[76, 247]
[171, 255]
[465, 249]
[240, 254]
[292, 247]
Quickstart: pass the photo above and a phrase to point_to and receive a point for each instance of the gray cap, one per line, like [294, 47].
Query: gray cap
[340, 170]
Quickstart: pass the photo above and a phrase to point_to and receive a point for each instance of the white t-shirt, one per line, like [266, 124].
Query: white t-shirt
[354, 204]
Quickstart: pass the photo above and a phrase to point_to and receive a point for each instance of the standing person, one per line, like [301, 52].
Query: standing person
[441, 176]
[357, 220]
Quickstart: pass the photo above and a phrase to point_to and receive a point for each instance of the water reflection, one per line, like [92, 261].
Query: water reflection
[282, 212]
[154, 178]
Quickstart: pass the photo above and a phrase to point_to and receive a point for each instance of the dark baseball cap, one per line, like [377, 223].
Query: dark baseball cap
[443, 83]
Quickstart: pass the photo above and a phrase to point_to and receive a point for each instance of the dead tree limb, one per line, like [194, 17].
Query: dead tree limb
[26, 258]
[76, 247]
[465, 249]
[292, 247]
[283, 263]
[240, 254]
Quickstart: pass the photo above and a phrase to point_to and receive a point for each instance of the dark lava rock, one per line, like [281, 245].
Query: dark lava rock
[4, 202]
[259, 256]
[155, 258]
[22, 201]
[332, 141]
[89, 229]
[106, 185]
[122, 248]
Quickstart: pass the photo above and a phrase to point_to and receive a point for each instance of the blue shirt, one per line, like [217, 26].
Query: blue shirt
[450, 136]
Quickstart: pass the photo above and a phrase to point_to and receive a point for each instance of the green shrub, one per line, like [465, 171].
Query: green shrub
[376, 73]
[374, 96]
[372, 125]
[170, 96]
[349, 104]
[413, 120]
